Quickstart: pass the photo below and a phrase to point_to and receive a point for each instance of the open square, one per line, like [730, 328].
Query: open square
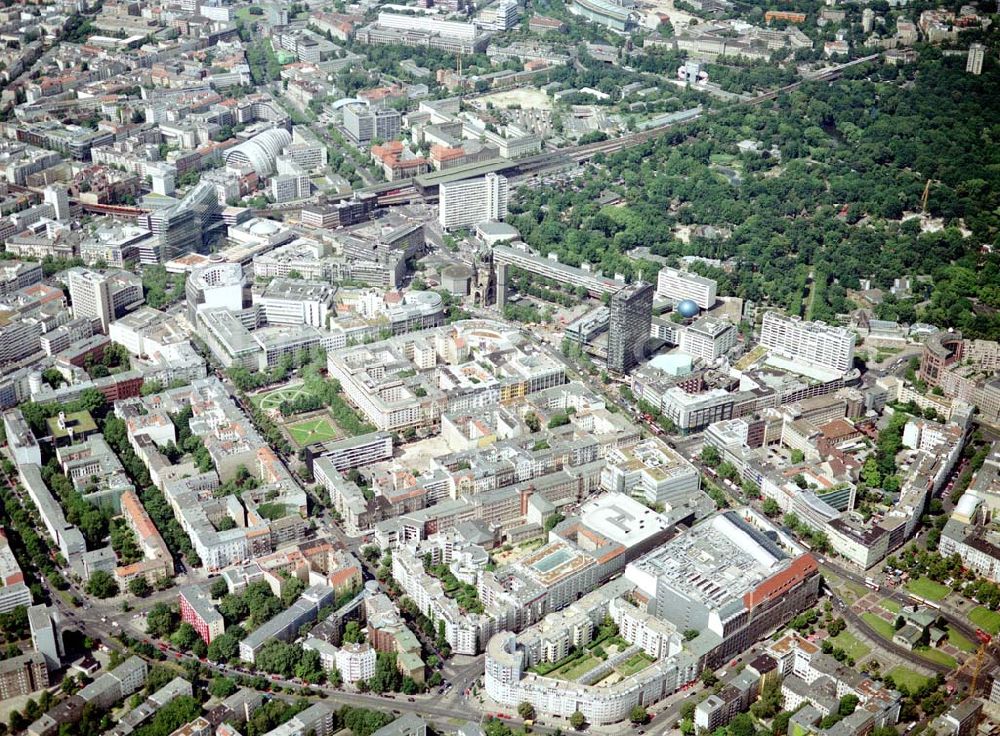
[309, 431]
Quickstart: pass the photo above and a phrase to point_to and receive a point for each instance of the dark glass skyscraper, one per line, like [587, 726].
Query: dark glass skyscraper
[628, 331]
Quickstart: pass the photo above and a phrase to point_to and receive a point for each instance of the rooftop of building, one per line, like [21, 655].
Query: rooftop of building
[298, 289]
[717, 562]
[621, 519]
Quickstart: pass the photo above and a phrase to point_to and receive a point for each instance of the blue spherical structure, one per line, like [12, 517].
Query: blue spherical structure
[687, 309]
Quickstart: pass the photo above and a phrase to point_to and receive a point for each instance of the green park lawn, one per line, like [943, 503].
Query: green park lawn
[274, 399]
[634, 664]
[984, 618]
[577, 668]
[882, 627]
[958, 641]
[851, 644]
[907, 677]
[890, 605]
[312, 430]
[936, 655]
[927, 588]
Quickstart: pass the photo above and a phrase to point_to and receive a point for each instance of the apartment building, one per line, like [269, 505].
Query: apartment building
[102, 298]
[677, 285]
[468, 202]
[356, 662]
[23, 675]
[13, 590]
[352, 452]
[813, 344]
[197, 610]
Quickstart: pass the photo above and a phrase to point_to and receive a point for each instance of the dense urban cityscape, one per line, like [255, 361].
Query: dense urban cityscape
[497, 367]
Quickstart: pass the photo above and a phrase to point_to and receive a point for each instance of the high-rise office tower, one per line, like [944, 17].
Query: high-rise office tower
[628, 330]
[103, 297]
[506, 15]
[365, 124]
[189, 225]
[58, 197]
[163, 178]
[90, 297]
[176, 231]
[46, 635]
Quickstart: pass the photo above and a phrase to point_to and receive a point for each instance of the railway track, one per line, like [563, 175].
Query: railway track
[405, 191]
[588, 151]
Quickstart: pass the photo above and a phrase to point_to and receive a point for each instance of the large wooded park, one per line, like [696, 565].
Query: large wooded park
[834, 194]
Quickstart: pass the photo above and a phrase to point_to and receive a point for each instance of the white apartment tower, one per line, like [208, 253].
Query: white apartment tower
[58, 197]
[163, 179]
[90, 295]
[678, 285]
[506, 15]
[814, 344]
[974, 62]
[708, 338]
[356, 662]
[46, 637]
[471, 201]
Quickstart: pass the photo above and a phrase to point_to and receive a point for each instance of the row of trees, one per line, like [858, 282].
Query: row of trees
[116, 434]
[290, 660]
[92, 520]
[31, 550]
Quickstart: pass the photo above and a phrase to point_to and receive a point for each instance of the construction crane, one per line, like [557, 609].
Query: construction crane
[927, 193]
[977, 661]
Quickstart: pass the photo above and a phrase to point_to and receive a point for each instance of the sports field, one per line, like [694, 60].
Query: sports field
[319, 429]
[274, 399]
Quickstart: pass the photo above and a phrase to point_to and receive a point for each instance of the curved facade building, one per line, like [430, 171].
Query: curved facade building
[941, 350]
[507, 684]
[261, 151]
[216, 284]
